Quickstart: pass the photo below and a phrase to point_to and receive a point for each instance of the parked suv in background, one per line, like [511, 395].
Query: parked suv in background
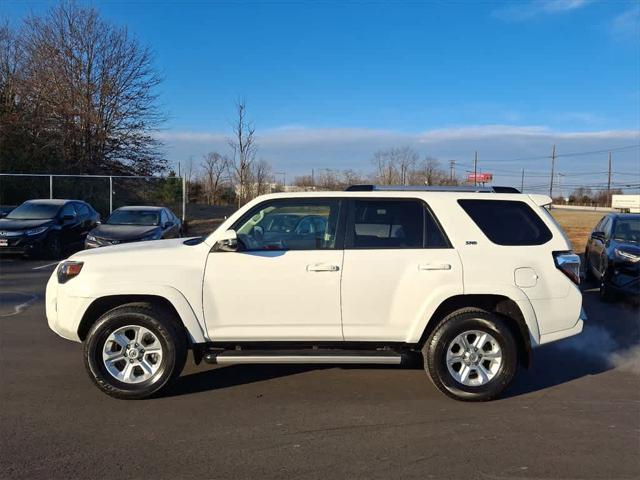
[46, 227]
[612, 255]
[472, 280]
[135, 224]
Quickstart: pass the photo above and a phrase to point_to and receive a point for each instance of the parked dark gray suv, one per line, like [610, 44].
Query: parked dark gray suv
[135, 224]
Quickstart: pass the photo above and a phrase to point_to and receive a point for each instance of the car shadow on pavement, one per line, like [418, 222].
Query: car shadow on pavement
[231, 376]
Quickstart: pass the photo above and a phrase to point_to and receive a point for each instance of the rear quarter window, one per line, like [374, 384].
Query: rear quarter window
[507, 222]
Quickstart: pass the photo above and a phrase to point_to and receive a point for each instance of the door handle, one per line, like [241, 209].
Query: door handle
[434, 266]
[322, 267]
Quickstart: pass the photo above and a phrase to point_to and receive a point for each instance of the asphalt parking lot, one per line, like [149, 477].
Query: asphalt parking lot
[574, 414]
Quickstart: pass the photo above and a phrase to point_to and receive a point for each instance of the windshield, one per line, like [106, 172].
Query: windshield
[34, 211]
[134, 217]
[627, 230]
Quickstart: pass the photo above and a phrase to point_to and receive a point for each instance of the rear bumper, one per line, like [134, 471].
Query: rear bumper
[569, 332]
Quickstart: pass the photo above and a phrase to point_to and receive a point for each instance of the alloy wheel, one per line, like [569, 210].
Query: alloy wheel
[132, 354]
[473, 358]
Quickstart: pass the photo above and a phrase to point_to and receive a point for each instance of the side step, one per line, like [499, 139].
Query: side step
[304, 356]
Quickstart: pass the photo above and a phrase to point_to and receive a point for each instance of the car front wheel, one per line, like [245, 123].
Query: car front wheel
[605, 290]
[134, 351]
[471, 355]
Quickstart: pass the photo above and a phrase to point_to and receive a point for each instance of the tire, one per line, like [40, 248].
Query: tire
[606, 292]
[140, 374]
[486, 377]
[52, 248]
[588, 272]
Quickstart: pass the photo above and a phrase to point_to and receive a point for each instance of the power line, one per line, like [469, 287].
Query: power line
[570, 154]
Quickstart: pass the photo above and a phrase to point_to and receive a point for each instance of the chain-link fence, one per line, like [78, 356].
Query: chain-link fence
[104, 192]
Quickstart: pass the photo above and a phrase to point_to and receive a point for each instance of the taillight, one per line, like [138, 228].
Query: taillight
[68, 270]
[569, 264]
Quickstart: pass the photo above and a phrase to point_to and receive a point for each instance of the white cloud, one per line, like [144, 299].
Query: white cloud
[520, 11]
[626, 26]
[502, 149]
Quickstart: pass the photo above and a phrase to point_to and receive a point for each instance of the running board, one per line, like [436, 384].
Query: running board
[312, 356]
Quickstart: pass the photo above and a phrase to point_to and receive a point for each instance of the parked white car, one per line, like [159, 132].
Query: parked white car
[472, 280]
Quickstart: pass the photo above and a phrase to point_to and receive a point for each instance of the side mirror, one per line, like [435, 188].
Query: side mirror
[68, 216]
[167, 224]
[228, 242]
[598, 235]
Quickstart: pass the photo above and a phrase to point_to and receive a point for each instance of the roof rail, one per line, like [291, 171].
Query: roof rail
[431, 188]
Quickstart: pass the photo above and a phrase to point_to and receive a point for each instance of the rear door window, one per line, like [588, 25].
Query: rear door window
[386, 224]
[393, 224]
[507, 222]
[68, 209]
[82, 209]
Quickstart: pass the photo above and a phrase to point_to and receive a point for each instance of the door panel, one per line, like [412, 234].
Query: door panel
[397, 263]
[384, 292]
[273, 295]
[284, 284]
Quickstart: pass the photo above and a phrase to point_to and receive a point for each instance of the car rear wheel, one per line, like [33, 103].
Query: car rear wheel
[471, 355]
[134, 351]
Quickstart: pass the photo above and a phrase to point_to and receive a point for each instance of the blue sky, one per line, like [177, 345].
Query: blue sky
[327, 83]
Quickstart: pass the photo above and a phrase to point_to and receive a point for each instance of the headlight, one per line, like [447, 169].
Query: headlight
[37, 231]
[91, 238]
[69, 269]
[626, 256]
[153, 236]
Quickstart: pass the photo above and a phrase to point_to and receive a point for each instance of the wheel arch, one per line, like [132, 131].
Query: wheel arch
[499, 304]
[107, 302]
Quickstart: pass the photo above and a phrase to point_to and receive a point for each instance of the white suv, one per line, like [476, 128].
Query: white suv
[471, 279]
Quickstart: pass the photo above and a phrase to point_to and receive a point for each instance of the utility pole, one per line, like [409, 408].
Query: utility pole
[609, 183]
[553, 167]
[475, 170]
[522, 182]
[452, 170]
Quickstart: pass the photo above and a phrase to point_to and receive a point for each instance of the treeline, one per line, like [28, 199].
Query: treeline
[78, 96]
[585, 196]
[215, 178]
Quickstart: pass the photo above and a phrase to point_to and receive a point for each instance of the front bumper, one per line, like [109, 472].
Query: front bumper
[23, 245]
[624, 278]
[64, 312]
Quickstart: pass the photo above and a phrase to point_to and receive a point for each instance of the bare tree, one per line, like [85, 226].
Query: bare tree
[304, 181]
[214, 167]
[386, 172]
[261, 177]
[351, 177]
[393, 166]
[429, 172]
[244, 151]
[93, 87]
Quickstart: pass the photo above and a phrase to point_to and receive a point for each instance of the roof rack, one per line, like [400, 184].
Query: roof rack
[431, 188]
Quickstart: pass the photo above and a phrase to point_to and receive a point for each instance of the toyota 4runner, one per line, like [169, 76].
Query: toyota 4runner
[471, 279]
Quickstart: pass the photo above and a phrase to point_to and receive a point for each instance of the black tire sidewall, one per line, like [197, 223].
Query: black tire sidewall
[588, 273]
[110, 322]
[53, 247]
[436, 349]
